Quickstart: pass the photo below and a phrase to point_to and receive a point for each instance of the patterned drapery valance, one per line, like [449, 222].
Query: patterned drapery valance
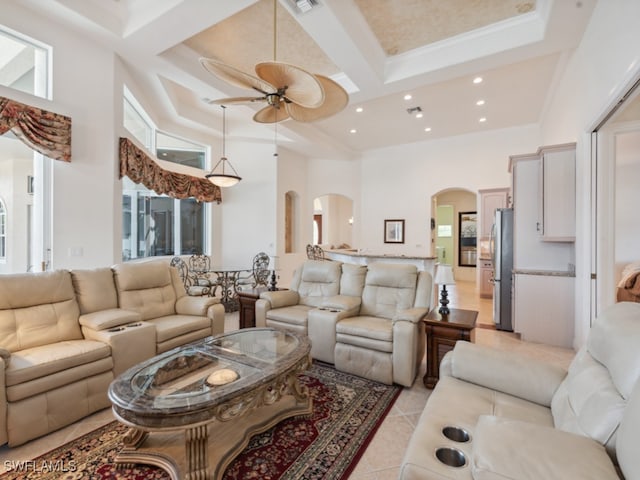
[139, 167]
[46, 132]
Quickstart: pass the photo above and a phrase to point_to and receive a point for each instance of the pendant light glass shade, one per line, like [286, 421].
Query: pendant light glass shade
[219, 176]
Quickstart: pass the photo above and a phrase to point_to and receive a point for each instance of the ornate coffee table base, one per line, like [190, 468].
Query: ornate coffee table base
[204, 451]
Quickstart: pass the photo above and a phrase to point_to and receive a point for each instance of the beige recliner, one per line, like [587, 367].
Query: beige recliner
[52, 375]
[385, 341]
[154, 290]
[289, 309]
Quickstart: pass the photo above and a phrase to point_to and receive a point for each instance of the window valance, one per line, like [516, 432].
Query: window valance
[46, 132]
[139, 167]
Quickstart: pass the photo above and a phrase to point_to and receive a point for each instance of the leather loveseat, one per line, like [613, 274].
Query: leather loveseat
[365, 320]
[65, 335]
[500, 415]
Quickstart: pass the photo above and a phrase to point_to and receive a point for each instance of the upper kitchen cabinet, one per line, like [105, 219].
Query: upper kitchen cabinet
[550, 191]
[490, 200]
[557, 222]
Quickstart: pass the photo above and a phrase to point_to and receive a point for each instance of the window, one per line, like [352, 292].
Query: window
[3, 232]
[155, 224]
[24, 64]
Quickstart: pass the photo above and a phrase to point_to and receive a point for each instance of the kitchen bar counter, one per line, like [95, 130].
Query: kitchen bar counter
[364, 258]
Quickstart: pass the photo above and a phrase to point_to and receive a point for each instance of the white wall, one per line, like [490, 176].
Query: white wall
[83, 197]
[599, 71]
[398, 182]
[627, 200]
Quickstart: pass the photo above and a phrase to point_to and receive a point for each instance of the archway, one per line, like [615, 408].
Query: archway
[333, 221]
[453, 211]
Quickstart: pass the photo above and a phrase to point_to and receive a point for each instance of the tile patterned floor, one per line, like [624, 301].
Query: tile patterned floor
[383, 456]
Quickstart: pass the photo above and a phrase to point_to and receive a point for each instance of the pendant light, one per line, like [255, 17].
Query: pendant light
[220, 178]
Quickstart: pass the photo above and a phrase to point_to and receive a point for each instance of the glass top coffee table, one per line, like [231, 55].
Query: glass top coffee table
[193, 409]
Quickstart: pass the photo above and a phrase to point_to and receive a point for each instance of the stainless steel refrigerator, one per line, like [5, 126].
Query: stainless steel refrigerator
[502, 257]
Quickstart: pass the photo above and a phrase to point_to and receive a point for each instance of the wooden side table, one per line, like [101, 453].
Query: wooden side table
[247, 300]
[442, 334]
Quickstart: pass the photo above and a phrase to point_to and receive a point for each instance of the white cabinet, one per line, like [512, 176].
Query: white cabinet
[543, 307]
[557, 218]
[486, 278]
[490, 200]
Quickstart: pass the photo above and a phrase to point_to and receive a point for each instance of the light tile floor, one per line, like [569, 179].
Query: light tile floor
[383, 456]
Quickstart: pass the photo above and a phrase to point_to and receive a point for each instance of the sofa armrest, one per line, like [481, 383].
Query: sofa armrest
[342, 303]
[413, 315]
[507, 372]
[281, 298]
[4, 437]
[5, 355]
[513, 449]
[109, 318]
[195, 305]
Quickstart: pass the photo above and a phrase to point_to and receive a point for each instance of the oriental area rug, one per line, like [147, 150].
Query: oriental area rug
[323, 446]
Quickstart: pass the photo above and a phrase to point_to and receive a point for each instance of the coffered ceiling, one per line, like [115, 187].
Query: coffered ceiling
[378, 50]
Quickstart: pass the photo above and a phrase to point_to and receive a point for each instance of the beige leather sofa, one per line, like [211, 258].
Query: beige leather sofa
[363, 319]
[526, 419]
[65, 335]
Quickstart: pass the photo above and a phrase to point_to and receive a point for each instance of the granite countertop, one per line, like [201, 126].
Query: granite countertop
[543, 273]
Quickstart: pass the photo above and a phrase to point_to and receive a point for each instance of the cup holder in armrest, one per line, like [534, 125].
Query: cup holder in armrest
[116, 329]
[451, 456]
[456, 434]
[136, 324]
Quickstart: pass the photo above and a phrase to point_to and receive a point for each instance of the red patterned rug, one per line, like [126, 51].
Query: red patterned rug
[325, 445]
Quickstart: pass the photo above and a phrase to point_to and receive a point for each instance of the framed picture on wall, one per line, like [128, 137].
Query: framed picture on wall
[394, 231]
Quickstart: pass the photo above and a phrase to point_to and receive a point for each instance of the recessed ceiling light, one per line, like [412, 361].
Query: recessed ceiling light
[359, 109]
[480, 102]
[477, 80]
[482, 119]
[353, 130]
[419, 115]
[408, 96]
[428, 129]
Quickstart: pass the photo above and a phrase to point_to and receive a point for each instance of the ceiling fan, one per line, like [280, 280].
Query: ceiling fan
[289, 91]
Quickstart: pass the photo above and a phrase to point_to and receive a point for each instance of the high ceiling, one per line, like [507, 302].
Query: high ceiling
[378, 50]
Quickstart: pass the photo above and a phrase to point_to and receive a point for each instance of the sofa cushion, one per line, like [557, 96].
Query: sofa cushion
[37, 309]
[374, 333]
[46, 360]
[295, 315]
[105, 319]
[592, 399]
[388, 288]
[146, 288]
[613, 341]
[352, 279]
[95, 289]
[172, 326]
[318, 279]
[506, 449]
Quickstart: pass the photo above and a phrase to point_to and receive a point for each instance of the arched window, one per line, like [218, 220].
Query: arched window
[3, 232]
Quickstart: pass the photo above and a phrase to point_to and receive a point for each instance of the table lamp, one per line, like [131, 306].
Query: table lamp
[444, 277]
[274, 266]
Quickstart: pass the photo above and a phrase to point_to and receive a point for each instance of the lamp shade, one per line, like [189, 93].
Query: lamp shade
[444, 275]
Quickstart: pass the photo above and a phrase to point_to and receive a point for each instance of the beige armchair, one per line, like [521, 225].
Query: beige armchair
[155, 291]
[385, 341]
[50, 375]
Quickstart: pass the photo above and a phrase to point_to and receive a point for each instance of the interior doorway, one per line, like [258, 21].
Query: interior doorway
[452, 210]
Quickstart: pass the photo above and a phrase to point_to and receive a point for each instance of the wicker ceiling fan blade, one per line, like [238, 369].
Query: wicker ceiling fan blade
[335, 99]
[299, 86]
[271, 114]
[235, 100]
[236, 77]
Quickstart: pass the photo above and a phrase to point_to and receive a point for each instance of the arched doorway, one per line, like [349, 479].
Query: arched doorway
[454, 212]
